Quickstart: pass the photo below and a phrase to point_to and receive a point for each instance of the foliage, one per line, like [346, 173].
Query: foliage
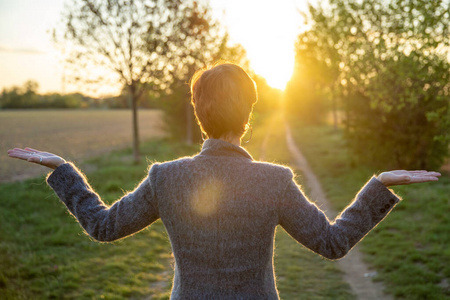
[269, 98]
[127, 44]
[387, 63]
[410, 248]
[27, 97]
[309, 93]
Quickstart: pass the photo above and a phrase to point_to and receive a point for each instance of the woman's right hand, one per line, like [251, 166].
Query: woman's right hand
[46, 159]
[401, 177]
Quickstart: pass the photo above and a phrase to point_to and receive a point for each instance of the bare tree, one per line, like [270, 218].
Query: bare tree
[141, 43]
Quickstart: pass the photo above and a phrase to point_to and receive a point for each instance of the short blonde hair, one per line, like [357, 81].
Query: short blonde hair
[223, 97]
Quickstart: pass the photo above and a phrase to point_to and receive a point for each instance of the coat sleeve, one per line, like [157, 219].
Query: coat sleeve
[306, 223]
[132, 213]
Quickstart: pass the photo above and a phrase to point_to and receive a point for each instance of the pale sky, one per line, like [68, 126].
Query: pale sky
[266, 29]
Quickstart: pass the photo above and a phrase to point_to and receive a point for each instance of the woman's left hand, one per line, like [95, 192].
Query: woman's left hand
[46, 159]
[400, 177]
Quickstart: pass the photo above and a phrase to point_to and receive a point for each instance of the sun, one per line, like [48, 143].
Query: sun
[268, 31]
[277, 69]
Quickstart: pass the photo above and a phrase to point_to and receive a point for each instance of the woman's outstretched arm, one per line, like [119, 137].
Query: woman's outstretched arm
[306, 223]
[126, 216]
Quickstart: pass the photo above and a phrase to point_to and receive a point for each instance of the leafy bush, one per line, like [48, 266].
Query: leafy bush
[386, 63]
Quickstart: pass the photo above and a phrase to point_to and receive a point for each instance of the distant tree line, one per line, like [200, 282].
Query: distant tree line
[28, 97]
[384, 65]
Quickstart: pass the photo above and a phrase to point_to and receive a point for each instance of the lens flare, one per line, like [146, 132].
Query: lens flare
[207, 197]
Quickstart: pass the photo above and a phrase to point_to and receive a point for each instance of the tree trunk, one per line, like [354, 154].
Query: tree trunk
[133, 97]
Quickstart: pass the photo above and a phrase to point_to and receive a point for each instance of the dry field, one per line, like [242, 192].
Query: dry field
[73, 134]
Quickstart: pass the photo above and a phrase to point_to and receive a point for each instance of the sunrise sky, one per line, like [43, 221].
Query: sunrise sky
[266, 29]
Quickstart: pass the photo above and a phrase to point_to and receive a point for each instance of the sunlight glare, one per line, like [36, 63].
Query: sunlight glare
[276, 71]
[267, 30]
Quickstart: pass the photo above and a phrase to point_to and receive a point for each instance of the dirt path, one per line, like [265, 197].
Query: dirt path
[356, 272]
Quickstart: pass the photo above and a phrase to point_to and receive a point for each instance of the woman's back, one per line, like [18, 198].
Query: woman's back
[219, 209]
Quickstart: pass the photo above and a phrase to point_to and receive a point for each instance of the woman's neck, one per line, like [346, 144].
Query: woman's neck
[233, 139]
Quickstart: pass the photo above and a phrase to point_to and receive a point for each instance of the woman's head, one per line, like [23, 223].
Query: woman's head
[223, 97]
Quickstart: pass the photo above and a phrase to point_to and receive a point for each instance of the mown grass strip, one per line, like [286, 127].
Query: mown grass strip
[410, 249]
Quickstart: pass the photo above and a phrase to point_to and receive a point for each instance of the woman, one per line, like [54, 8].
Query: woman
[220, 207]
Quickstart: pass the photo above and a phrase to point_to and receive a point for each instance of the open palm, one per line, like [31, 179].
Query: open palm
[401, 177]
[46, 159]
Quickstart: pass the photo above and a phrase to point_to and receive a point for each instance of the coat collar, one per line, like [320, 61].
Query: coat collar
[216, 147]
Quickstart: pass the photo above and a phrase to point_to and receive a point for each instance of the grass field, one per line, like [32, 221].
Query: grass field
[411, 248]
[73, 134]
[45, 255]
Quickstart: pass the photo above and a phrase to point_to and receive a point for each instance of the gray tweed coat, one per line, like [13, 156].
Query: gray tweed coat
[220, 209]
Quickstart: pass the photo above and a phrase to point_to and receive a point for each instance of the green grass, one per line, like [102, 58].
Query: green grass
[44, 253]
[302, 274]
[410, 249]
